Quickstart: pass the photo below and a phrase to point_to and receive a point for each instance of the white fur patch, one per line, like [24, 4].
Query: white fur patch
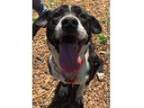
[70, 8]
[100, 75]
[83, 76]
[54, 53]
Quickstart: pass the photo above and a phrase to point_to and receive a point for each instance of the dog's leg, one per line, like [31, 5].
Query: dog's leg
[79, 95]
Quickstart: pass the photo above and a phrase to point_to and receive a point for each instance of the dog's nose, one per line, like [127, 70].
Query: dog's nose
[69, 24]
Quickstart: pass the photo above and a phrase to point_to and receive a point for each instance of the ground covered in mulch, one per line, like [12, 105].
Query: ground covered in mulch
[97, 94]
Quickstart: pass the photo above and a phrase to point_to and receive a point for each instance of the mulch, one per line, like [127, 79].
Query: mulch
[97, 94]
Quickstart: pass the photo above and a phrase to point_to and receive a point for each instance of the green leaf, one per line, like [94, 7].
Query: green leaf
[102, 38]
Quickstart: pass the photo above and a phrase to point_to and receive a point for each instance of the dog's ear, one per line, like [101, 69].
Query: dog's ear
[95, 25]
[43, 19]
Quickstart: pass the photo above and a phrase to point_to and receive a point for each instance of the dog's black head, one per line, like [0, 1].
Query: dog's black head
[69, 29]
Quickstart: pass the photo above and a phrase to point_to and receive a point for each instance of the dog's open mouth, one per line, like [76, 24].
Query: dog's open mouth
[70, 61]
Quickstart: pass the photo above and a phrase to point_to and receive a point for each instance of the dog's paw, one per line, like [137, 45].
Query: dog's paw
[100, 76]
[63, 91]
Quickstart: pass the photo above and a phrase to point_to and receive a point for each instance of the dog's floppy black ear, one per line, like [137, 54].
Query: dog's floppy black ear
[95, 25]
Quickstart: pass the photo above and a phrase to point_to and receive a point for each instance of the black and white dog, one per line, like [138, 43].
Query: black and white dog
[73, 60]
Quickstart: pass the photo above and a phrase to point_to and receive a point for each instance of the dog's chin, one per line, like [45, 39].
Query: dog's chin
[69, 58]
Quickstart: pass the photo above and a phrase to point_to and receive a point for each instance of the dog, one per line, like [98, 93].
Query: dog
[73, 60]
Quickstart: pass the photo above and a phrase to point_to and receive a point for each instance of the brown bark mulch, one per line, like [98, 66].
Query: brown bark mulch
[97, 94]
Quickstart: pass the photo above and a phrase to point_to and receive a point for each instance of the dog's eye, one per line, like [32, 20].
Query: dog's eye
[76, 9]
[57, 15]
[55, 18]
[83, 16]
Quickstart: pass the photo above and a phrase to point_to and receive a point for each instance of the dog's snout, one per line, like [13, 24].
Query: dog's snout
[69, 24]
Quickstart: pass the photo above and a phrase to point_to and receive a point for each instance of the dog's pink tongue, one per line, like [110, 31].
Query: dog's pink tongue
[69, 58]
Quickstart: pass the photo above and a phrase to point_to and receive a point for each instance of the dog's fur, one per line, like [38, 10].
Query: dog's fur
[82, 25]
